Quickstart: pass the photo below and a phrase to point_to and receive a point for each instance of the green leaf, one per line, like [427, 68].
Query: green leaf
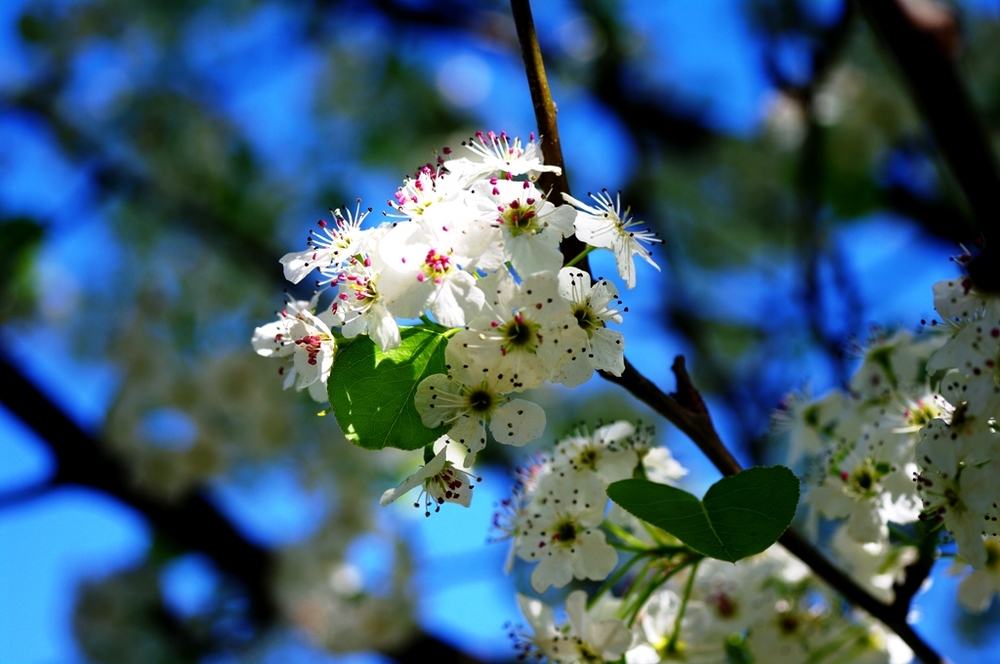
[740, 515]
[371, 391]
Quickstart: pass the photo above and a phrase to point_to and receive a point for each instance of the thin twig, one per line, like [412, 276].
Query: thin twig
[545, 118]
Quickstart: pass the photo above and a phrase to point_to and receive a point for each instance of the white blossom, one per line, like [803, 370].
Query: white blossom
[525, 331]
[605, 225]
[976, 590]
[606, 452]
[499, 155]
[330, 246]
[468, 399]
[305, 339]
[441, 482]
[562, 531]
[590, 306]
[532, 227]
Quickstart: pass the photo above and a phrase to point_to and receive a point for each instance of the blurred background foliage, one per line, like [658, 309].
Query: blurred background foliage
[159, 157]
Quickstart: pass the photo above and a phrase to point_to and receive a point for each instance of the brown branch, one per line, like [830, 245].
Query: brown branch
[545, 118]
[686, 410]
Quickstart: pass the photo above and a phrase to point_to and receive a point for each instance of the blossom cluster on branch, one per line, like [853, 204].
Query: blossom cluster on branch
[462, 299]
[470, 245]
[912, 449]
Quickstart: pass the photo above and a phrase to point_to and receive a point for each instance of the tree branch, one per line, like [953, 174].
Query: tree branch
[686, 410]
[545, 118]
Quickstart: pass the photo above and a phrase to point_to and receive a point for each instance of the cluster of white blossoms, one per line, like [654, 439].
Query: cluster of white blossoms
[913, 441]
[555, 516]
[472, 245]
[768, 605]
[915, 438]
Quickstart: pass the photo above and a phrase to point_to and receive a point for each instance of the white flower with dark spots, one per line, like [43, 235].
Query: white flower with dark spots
[975, 351]
[562, 531]
[867, 484]
[525, 331]
[593, 309]
[956, 299]
[468, 399]
[959, 494]
[607, 452]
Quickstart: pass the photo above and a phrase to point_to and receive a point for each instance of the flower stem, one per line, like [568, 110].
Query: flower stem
[625, 536]
[614, 578]
[672, 644]
[580, 256]
[654, 585]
